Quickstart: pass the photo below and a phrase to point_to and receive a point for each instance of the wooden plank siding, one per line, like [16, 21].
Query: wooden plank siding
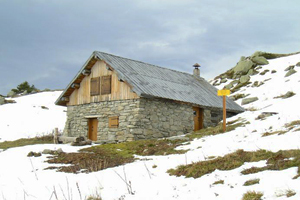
[119, 90]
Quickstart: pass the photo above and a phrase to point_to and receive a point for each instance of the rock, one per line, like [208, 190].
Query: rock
[242, 58]
[264, 72]
[289, 68]
[47, 151]
[33, 154]
[223, 81]
[59, 151]
[249, 100]
[260, 60]
[285, 96]
[257, 53]
[238, 96]
[244, 79]
[243, 67]
[298, 64]
[250, 72]
[2, 100]
[11, 94]
[290, 72]
[273, 71]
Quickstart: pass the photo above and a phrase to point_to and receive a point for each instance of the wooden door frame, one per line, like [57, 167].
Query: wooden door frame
[198, 118]
[92, 134]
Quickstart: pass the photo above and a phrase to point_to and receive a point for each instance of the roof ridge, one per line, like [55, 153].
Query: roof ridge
[145, 63]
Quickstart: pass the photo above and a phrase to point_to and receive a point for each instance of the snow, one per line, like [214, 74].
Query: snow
[22, 177]
[26, 118]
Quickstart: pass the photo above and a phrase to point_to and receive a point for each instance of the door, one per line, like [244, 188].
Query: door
[93, 129]
[198, 118]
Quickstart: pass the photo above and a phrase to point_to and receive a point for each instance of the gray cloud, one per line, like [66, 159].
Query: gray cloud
[46, 42]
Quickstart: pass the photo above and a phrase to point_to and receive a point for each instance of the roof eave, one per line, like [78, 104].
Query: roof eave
[59, 102]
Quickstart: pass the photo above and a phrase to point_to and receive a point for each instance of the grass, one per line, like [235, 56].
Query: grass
[218, 182]
[46, 139]
[232, 125]
[273, 133]
[228, 162]
[252, 195]
[290, 193]
[251, 182]
[278, 161]
[287, 193]
[275, 161]
[293, 124]
[110, 155]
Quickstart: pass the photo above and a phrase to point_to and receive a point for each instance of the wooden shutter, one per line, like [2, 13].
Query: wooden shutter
[95, 86]
[113, 122]
[105, 85]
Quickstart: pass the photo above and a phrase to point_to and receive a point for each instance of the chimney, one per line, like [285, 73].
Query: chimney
[196, 71]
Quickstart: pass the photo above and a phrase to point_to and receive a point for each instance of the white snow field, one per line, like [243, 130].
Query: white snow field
[30, 116]
[22, 177]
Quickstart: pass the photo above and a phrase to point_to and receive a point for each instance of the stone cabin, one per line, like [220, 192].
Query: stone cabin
[114, 99]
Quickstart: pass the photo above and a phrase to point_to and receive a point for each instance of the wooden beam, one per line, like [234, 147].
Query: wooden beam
[224, 113]
[75, 85]
[86, 72]
[65, 99]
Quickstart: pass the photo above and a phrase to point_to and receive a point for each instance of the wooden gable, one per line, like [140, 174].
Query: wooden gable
[101, 84]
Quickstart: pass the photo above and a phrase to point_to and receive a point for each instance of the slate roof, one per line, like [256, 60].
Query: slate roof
[151, 81]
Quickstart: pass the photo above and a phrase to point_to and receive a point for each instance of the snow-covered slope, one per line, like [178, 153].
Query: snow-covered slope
[30, 116]
[32, 182]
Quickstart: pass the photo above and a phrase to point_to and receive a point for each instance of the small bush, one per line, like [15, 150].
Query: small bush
[251, 182]
[24, 87]
[252, 195]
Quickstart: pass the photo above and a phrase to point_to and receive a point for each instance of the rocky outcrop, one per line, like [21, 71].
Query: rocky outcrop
[290, 72]
[11, 94]
[249, 100]
[260, 60]
[2, 100]
[240, 75]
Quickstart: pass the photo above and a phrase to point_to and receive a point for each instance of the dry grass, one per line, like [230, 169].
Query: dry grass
[218, 182]
[228, 162]
[273, 133]
[218, 129]
[110, 155]
[251, 182]
[278, 161]
[46, 139]
[275, 161]
[252, 195]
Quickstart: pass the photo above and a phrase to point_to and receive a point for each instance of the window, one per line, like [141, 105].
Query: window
[113, 122]
[105, 85]
[101, 85]
[95, 86]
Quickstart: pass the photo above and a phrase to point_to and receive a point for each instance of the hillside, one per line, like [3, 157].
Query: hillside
[271, 123]
[31, 115]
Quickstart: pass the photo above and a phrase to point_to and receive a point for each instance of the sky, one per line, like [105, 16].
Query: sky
[47, 42]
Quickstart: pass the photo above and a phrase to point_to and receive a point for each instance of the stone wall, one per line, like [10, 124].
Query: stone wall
[138, 119]
[126, 110]
[163, 118]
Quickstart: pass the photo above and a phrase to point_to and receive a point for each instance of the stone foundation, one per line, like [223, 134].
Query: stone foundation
[138, 119]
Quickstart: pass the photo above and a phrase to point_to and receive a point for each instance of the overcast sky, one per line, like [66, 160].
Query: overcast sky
[46, 42]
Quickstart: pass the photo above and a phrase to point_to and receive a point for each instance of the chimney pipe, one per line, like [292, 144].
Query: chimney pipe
[196, 71]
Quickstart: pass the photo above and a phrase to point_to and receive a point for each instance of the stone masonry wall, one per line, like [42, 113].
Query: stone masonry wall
[127, 110]
[163, 118]
[138, 119]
